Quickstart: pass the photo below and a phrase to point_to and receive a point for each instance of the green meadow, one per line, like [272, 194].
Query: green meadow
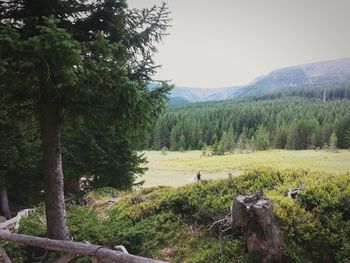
[179, 168]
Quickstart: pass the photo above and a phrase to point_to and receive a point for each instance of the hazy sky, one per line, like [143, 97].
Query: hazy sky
[230, 42]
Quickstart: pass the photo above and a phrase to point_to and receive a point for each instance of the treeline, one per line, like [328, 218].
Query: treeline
[286, 123]
[336, 91]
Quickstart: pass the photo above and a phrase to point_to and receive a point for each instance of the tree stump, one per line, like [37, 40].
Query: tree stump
[253, 215]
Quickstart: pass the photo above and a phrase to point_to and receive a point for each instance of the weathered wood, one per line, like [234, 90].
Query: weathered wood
[14, 222]
[66, 258]
[103, 255]
[293, 192]
[4, 257]
[253, 214]
[221, 226]
[121, 248]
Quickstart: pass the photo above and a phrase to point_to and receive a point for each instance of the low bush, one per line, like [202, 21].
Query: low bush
[172, 223]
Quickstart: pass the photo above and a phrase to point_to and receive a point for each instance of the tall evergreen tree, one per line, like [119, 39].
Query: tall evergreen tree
[207, 137]
[75, 58]
[173, 139]
[226, 143]
[262, 138]
[343, 133]
[222, 146]
[242, 142]
[182, 142]
[280, 138]
[333, 142]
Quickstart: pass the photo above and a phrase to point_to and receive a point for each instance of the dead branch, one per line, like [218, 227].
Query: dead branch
[222, 225]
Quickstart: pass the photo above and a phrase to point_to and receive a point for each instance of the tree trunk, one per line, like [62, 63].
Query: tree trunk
[253, 214]
[4, 258]
[52, 166]
[5, 208]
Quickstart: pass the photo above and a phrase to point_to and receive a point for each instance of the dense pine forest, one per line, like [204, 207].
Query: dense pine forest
[283, 123]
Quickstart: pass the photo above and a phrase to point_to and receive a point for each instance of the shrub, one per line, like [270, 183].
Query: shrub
[172, 223]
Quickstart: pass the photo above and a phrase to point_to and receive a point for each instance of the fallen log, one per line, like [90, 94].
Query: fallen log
[103, 255]
[253, 214]
[14, 222]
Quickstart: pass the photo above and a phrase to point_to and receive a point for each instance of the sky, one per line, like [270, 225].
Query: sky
[231, 42]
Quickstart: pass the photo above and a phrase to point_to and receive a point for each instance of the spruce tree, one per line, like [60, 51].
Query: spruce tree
[222, 146]
[173, 139]
[66, 59]
[241, 144]
[333, 142]
[343, 133]
[262, 138]
[182, 143]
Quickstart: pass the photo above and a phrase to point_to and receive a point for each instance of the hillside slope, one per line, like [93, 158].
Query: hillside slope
[329, 75]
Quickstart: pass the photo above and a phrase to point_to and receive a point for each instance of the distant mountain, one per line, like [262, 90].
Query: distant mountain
[178, 101]
[202, 94]
[286, 80]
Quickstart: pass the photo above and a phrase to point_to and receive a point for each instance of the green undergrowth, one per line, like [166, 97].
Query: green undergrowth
[172, 224]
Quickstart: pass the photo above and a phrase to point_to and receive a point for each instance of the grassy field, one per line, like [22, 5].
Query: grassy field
[179, 168]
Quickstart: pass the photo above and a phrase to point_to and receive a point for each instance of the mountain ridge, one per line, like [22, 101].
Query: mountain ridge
[332, 72]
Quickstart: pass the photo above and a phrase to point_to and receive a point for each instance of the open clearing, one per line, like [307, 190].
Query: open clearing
[179, 168]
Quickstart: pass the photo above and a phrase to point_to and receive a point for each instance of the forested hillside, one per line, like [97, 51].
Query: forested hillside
[329, 79]
[285, 123]
[337, 91]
